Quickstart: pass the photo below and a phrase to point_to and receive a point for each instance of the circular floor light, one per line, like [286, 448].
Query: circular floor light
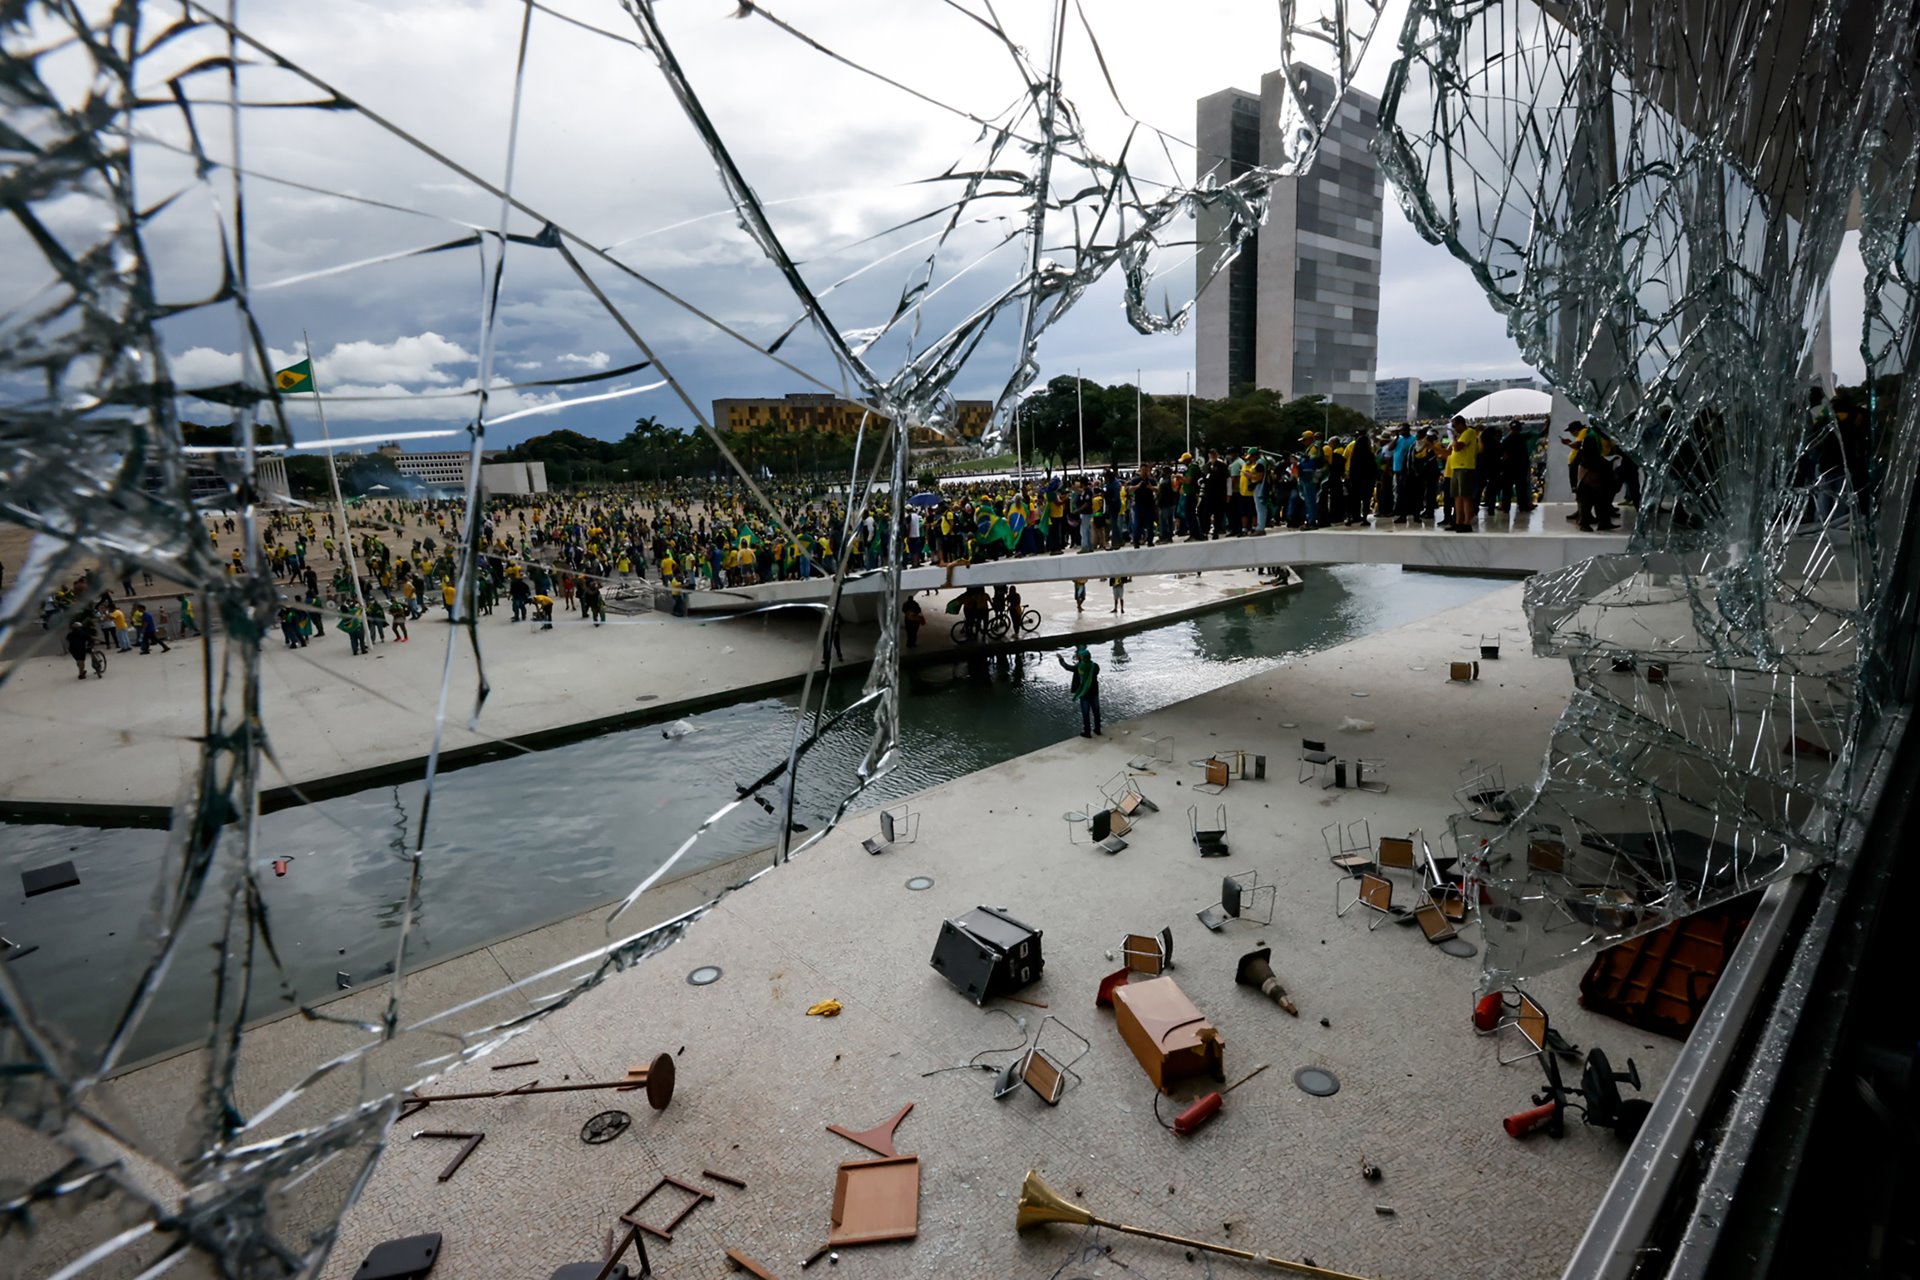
[705, 976]
[1318, 1081]
[917, 883]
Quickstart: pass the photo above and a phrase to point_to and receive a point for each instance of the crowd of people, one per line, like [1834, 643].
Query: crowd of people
[552, 554]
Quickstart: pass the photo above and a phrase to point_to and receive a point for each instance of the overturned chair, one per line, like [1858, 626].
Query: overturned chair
[1040, 1070]
[1211, 842]
[1122, 792]
[1242, 897]
[1148, 953]
[898, 825]
[1349, 845]
[1374, 892]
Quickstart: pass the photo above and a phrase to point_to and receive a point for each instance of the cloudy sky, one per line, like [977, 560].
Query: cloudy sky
[361, 225]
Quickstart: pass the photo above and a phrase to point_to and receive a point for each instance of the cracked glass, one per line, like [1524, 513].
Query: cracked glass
[183, 186]
[1655, 197]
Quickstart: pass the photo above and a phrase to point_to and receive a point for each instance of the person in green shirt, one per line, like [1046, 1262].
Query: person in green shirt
[1085, 689]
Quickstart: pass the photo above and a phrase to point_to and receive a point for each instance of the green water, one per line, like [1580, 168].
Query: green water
[518, 843]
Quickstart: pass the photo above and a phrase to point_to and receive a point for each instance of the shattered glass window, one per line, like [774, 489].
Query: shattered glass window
[1655, 197]
[186, 183]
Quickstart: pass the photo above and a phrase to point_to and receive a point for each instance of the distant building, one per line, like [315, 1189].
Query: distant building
[435, 470]
[1487, 386]
[803, 412]
[513, 477]
[1298, 312]
[1396, 399]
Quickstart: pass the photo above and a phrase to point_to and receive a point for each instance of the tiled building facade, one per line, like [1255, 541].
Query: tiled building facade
[1299, 311]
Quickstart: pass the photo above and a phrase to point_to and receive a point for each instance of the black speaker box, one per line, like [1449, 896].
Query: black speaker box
[987, 952]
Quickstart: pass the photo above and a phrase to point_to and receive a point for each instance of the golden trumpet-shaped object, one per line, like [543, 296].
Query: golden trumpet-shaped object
[1040, 1205]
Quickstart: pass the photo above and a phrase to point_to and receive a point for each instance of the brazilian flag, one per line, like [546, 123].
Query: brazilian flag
[295, 378]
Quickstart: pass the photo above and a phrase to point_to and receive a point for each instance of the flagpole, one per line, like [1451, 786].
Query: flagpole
[1080, 417]
[1187, 383]
[333, 473]
[1139, 450]
[1016, 442]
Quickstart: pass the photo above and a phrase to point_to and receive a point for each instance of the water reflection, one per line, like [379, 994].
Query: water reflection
[524, 841]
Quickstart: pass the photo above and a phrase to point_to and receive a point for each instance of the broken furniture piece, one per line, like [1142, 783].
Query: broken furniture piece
[878, 1139]
[1241, 897]
[1122, 792]
[1171, 1038]
[613, 1268]
[898, 825]
[1155, 749]
[1148, 953]
[1043, 1072]
[987, 952]
[1211, 843]
[700, 1197]
[1215, 776]
[1256, 970]
[1433, 922]
[1349, 846]
[593, 1271]
[1462, 672]
[748, 1265]
[1489, 646]
[406, 1258]
[1108, 826]
[1530, 1020]
[1314, 757]
[604, 1127]
[1103, 997]
[471, 1140]
[656, 1078]
[876, 1200]
[1600, 1102]
[60, 875]
[1375, 892]
[1366, 774]
[1396, 854]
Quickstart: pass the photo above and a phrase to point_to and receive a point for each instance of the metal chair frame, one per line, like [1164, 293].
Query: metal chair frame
[1314, 757]
[1375, 892]
[892, 822]
[1158, 750]
[1148, 953]
[1048, 1080]
[1240, 897]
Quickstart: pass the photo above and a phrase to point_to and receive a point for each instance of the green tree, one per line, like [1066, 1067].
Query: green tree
[1433, 404]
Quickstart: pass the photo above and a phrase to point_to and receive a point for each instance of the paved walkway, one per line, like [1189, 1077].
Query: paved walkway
[122, 748]
[1421, 1095]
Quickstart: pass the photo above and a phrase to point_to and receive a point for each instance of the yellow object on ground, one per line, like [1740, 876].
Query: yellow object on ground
[824, 1009]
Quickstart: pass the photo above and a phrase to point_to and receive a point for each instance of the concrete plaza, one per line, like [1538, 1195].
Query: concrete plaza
[339, 723]
[1421, 1094]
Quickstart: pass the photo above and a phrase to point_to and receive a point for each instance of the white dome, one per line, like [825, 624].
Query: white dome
[1514, 402]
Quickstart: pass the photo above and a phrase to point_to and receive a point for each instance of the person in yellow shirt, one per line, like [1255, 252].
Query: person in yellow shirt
[447, 596]
[1463, 463]
[120, 639]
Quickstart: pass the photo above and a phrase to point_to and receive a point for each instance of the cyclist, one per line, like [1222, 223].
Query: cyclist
[79, 642]
[1015, 614]
[973, 611]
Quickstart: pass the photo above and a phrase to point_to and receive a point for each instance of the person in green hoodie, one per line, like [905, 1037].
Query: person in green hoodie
[1085, 688]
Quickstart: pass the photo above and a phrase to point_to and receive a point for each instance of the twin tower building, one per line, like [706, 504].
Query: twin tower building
[1298, 312]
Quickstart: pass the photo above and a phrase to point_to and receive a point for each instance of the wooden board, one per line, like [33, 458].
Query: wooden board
[875, 1200]
[749, 1266]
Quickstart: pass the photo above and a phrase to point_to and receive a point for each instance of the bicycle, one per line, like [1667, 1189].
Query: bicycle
[1029, 620]
[964, 631]
[97, 659]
